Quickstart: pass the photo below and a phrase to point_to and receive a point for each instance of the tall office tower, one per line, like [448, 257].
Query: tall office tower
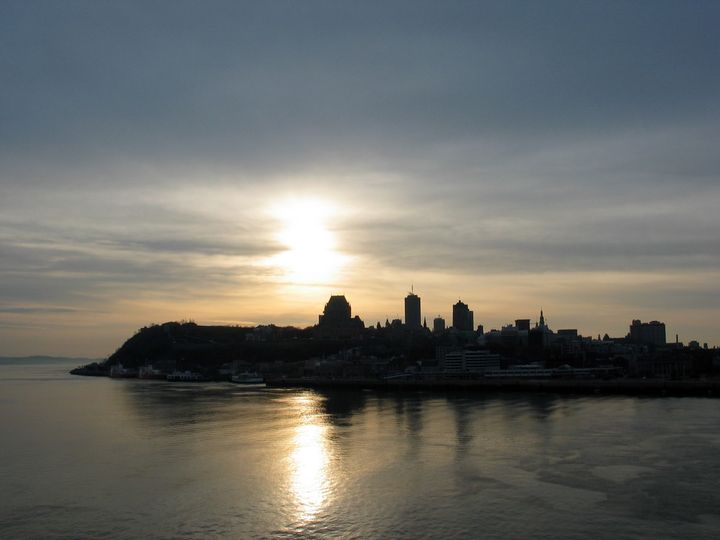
[462, 317]
[438, 325]
[412, 311]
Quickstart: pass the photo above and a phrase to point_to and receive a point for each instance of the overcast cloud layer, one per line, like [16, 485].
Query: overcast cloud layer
[509, 153]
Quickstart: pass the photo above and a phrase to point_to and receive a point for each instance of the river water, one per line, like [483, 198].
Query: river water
[85, 457]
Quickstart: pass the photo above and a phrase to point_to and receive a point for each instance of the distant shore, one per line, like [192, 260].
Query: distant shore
[652, 387]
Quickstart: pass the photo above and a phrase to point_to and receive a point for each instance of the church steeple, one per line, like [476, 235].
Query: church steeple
[542, 319]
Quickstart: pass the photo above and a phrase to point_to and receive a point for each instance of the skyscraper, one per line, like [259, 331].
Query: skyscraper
[412, 311]
[462, 317]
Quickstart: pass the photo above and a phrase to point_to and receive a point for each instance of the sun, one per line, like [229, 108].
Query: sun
[311, 256]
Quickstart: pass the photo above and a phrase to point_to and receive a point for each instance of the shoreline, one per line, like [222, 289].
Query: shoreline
[620, 386]
[631, 387]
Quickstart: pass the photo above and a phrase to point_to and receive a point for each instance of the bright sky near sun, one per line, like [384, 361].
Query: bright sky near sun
[311, 255]
[238, 163]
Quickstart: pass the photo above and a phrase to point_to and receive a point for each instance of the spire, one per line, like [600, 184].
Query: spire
[542, 319]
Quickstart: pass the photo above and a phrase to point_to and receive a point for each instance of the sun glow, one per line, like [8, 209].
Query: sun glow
[311, 257]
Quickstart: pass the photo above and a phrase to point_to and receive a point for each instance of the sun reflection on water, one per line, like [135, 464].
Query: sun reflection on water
[310, 460]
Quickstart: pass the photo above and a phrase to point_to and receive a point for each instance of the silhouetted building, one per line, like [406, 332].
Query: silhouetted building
[480, 360]
[337, 310]
[536, 339]
[438, 324]
[522, 324]
[509, 335]
[652, 333]
[337, 321]
[452, 362]
[412, 311]
[541, 336]
[460, 361]
[462, 317]
[541, 322]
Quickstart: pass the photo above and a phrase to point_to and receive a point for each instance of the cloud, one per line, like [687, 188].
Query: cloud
[267, 89]
[140, 145]
[36, 309]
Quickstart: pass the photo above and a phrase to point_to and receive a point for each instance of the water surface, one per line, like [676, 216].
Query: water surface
[85, 457]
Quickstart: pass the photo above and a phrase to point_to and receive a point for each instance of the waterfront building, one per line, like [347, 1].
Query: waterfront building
[470, 361]
[412, 311]
[462, 317]
[452, 362]
[480, 360]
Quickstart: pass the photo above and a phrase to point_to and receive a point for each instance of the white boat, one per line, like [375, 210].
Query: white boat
[247, 378]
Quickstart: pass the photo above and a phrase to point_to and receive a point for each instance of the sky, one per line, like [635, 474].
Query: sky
[238, 162]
